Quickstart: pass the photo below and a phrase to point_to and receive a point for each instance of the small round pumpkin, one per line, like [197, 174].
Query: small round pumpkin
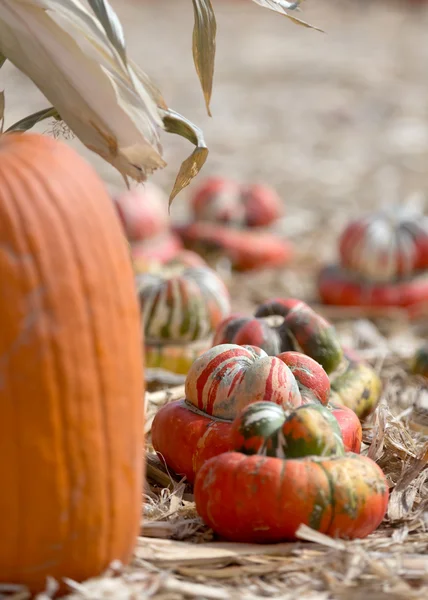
[384, 246]
[223, 201]
[71, 410]
[263, 499]
[181, 307]
[357, 386]
[228, 377]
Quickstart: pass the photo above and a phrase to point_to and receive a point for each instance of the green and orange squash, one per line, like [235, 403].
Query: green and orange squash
[265, 428]
[71, 409]
[265, 499]
[284, 324]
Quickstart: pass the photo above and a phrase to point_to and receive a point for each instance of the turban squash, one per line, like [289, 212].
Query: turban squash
[283, 324]
[181, 306]
[219, 200]
[383, 262]
[71, 410]
[220, 384]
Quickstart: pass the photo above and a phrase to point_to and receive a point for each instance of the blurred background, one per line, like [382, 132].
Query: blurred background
[336, 122]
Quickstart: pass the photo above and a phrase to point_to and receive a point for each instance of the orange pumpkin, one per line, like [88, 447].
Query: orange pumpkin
[71, 410]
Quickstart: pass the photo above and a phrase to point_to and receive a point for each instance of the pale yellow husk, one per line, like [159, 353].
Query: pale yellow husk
[64, 50]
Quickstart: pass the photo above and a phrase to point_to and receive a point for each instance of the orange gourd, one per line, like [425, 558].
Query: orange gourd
[71, 370]
[265, 499]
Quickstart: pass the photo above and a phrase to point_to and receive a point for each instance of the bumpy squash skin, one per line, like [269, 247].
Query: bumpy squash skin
[71, 410]
[261, 499]
[311, 430]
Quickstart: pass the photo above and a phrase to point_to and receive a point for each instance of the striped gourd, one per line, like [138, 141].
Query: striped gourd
[228, 377]
[181, 305]
[384, 246]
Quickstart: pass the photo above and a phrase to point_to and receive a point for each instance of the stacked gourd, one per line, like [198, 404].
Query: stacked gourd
[383, 262]
[241, 401]
[71, 410]
[233, 220]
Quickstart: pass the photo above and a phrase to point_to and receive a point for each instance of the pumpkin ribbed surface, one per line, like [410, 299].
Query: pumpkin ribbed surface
[71, 410]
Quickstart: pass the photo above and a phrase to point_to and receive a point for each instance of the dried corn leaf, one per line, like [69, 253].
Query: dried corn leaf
[282, 6]
[204, 33]
[64, 49]
[111, 24]
[175, 123]
[31, 120]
